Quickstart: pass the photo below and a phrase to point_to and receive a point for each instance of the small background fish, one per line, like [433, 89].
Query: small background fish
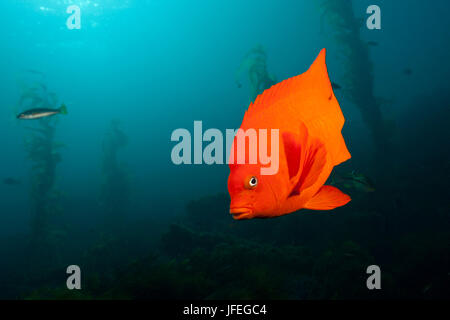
[39, 113]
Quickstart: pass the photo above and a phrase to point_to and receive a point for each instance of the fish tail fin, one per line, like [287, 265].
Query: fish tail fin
[63, 109]
[327, 198]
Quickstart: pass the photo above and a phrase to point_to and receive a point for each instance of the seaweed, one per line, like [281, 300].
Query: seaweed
[255, 64]
[115, 193]
[42, 151]
[358, 79]
[256, 262]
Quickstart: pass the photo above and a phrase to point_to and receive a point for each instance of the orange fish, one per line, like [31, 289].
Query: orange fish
[309, 120]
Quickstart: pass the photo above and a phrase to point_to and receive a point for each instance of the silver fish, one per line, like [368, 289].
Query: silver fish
[41, 113]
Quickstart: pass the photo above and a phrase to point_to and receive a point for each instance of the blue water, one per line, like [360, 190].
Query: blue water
[159, 65]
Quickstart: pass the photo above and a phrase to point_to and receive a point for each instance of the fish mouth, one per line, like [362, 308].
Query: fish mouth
[241, 212]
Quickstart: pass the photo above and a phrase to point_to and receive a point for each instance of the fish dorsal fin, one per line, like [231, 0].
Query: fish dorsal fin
[308, 98]
[327, 198]
[289, 87]
[328, 118]
[314, 82]
[318, 70]
[274, 94]
[305, 157]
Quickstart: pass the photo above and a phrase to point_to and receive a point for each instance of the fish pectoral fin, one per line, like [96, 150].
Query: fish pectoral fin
[327, 198]
[292, 150]
[312, 161]
[295, 149]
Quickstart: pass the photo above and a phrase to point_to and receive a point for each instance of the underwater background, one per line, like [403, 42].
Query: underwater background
[97, 188]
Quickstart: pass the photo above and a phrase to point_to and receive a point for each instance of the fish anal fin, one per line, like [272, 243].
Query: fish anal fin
[327, 198]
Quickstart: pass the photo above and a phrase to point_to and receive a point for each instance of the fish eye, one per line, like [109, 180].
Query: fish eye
[251, 182]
